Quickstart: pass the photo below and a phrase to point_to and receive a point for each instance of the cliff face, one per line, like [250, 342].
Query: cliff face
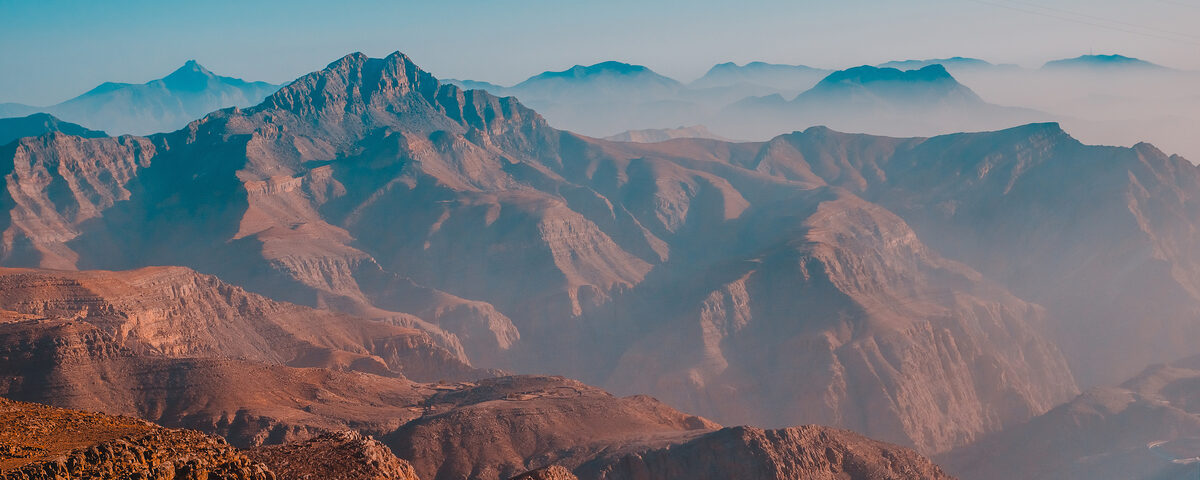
[176, 312]
[372, 189]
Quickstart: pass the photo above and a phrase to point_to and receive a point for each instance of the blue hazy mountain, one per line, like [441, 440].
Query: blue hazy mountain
[866, 84]
[887, 101]
[602, 99]
[952, 64]
[772, 75]
[40, 123]
[1103, 62]
[160, 105]
[607, 80]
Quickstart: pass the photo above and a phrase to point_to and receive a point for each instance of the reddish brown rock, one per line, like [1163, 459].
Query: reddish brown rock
[553, 472]
[39, 442]
[341, 455]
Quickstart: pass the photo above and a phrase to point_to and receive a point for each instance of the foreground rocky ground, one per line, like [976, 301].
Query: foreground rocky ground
[42, 442]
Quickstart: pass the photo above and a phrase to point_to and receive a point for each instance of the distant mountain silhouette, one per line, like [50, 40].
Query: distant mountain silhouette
[601, 99]
[931, 84]
[952, 63]
[784, 77]
[1103, 62]
[664, 134]
[162, 105]
[887, 101]
[606, 81]
[39, 123]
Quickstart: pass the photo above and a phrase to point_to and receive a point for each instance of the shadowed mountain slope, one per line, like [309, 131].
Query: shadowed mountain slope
[38, 124]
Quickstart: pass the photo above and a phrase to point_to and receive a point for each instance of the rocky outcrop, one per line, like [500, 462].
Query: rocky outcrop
[533, 422]
[341, 455]
[808, 452]
[553, 472]
[40, 442]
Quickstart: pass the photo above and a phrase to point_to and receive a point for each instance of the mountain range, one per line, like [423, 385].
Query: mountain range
[344, 190]
[162, 105]
[371, 249]
[1107, 99]
[760, 100]
[884, 101]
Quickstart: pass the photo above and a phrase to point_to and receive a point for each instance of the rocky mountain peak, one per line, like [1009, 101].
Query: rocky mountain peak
[354, 82]
[190, 77]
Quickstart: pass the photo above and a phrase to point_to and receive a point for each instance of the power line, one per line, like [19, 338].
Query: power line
[1085, 22]
[1109, 20]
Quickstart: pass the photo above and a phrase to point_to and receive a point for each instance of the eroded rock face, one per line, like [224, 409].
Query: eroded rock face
[176, 312]
[341, 455]
[809, 452]
[40, 442]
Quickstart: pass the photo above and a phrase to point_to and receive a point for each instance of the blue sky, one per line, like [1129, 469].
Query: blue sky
[51, 50]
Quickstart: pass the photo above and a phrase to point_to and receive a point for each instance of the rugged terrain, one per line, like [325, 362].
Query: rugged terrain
[39, 442]
[342, 455]
[373, 189]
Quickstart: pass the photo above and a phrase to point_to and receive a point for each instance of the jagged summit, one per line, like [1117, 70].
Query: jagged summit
[356, 94]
